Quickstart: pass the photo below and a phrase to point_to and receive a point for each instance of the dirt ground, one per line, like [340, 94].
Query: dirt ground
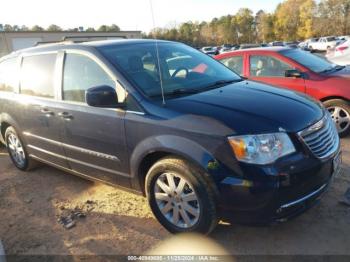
[118, 222]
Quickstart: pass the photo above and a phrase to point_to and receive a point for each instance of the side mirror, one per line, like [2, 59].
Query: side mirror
[293, 73]
[102, 96]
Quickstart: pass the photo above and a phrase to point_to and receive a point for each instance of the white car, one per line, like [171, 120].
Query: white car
[324, 43]
[225, 50]
[209, 50]
[340, 55]
[305, 44]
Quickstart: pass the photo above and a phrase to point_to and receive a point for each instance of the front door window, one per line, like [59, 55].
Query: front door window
[80, 74]
[268, 66]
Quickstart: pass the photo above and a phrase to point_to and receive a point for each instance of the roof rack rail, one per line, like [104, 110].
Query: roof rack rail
[86, 38]
[91, 36]
[46, 42]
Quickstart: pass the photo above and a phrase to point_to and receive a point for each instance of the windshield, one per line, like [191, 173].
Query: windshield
[313, 62]
[183, 70]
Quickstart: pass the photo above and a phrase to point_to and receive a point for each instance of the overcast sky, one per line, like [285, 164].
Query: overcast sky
[128, 14]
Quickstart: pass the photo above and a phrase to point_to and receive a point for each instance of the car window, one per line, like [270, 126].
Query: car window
[8, 75]
[235, 63]
[80, 74]
[265, 66]
[37, 74]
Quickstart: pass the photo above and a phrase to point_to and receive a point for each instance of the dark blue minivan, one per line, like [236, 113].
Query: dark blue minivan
[167, 121]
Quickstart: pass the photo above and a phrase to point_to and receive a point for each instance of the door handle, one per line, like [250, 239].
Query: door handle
[47, 112]
[65, 115]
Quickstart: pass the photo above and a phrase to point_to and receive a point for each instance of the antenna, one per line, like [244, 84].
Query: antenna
[157, 53]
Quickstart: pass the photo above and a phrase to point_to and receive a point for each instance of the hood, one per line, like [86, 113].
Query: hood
[250, 108]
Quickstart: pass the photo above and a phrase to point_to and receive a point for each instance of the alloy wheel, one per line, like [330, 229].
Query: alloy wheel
[16, 150]
[177, 200]
[341, 118]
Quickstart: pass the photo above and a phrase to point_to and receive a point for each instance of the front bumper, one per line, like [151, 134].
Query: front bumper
[275, 193]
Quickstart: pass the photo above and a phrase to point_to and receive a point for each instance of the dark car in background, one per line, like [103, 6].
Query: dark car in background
[248, 46]
[300, 71]
[291, 44]
[276, 43]
[169, 122]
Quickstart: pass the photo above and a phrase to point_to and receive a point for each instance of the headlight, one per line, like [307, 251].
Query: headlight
[261, 149]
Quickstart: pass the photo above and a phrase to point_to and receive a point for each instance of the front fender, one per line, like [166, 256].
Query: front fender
[6, 118]
[171, 144]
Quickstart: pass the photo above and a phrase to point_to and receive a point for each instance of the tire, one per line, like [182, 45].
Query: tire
[19, 153]
[340, 112]
[196, 187]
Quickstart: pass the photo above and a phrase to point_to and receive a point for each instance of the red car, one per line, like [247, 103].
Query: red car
[300, 71]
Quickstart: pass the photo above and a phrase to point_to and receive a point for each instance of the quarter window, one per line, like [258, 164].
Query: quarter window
[265, 66]
[8, 75]
[80, 74]
[37, 75]
[235, 63]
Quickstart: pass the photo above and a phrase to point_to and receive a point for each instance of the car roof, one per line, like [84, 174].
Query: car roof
[81, 45]
[260, 49]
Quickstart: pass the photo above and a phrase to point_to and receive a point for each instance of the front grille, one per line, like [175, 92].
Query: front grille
[321, 138]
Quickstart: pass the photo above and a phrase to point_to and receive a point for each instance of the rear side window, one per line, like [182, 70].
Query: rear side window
[235, 63]
[37, 75]
[8, 75]
[80, 74]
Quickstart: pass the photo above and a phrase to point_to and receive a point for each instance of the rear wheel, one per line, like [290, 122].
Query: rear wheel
[340, 112]
[180, 197]
[17, 150]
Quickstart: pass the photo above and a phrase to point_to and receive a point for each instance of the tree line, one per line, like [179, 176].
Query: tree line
[56, 28]
[291, 20]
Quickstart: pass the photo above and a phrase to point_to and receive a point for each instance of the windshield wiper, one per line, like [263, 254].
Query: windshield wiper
[181, 91]
[339, 67]
[221, 83]
[178, 91]
[333, 68]
[216, 84]
[327, 70]
[185, 91]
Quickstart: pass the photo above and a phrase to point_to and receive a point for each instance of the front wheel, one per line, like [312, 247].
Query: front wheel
[180, 196]
[17, 150]
[340, 112]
